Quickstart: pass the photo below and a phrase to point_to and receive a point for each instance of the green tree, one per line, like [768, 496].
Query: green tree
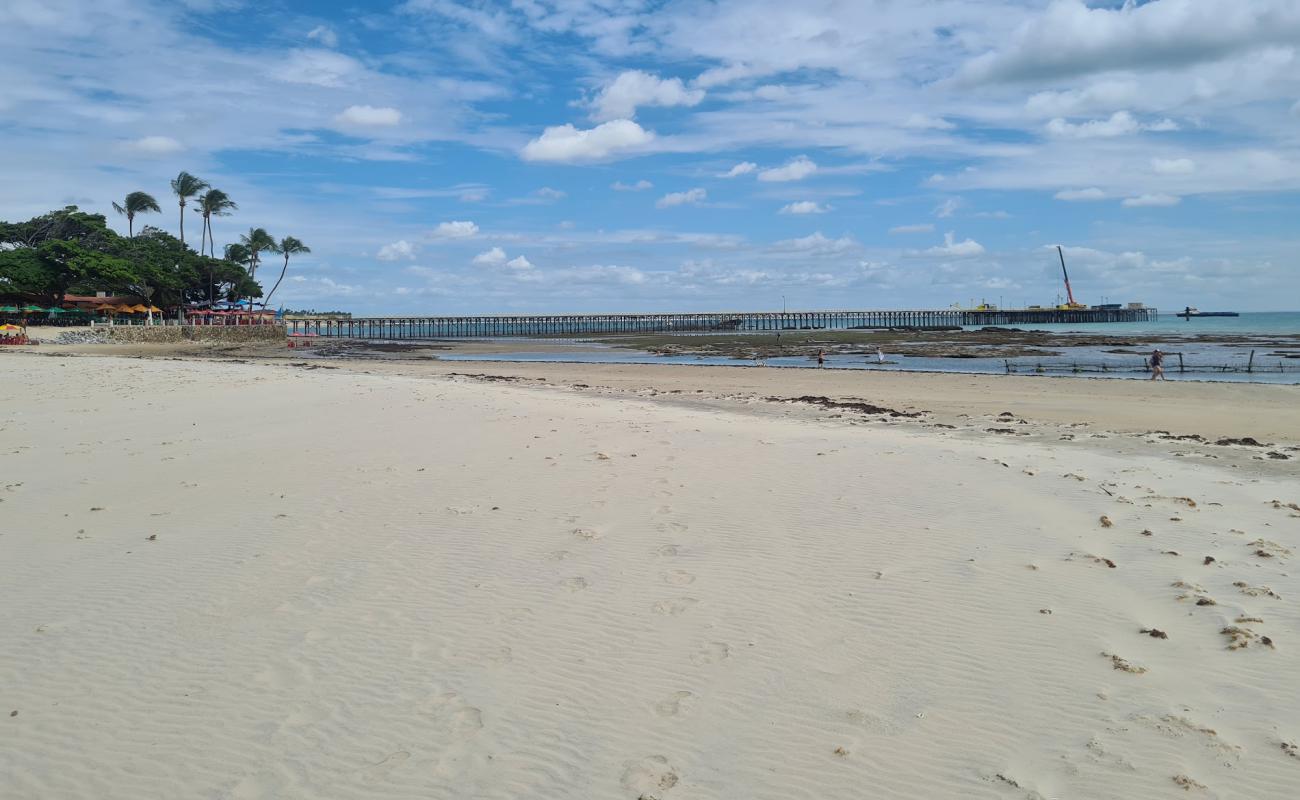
[287, 246]
[136, 203]
[213, 203]
[256, 241]
[185, 186]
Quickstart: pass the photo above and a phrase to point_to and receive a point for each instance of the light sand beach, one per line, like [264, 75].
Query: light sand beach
[366, 579]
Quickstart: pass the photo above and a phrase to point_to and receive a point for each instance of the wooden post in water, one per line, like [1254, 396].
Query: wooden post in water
[1180, 363]
[1250, 365]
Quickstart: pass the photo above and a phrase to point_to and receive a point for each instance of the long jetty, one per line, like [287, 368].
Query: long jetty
[598, 324]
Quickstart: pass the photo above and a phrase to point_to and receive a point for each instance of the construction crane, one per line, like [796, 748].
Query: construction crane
[1069, 304]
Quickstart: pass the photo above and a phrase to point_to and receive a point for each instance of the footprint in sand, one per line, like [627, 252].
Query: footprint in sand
[678, 577]
[576, 584]
[675, 704]
[711, 653]
[587, 534]
[451, 711]
[649, 777]
[674, 606]
[559, 555]
[668, 550]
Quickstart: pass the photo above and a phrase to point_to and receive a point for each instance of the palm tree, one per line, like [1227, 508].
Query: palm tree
[185, 186]
[256, 240]
[288, 246]
[136, 203]
[213, 203]
[236, 253]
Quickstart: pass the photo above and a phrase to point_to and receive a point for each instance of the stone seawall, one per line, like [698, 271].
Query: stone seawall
[193, 333]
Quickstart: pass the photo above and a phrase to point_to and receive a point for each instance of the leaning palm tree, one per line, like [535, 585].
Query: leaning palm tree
[235, 253]
[185, 186]
[136, 203]
[256, 240]
[288, 246]
[213, 203]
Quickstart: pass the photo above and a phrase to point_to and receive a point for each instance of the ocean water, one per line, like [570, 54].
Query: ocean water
[1262, 322]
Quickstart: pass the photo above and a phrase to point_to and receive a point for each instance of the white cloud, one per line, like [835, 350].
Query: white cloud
[519, 262]
[454, 230]
[325, 35]
[639, 186]
[816, 244]
[490, 258]
[370, 116]
[566, 143]
[950, 247]
[548, 193]
[397, 250]
[796, 170]
[924, 227]
[319, 68]
[1151, 200]
[743, 168]
[805, 207]
[1173, 166]
[1091, 193]
[1121, 123]
[632, 89]
[1068, 38]
[690, 197]
[473, 195]
[948, 207]
[154, 145]
[924, 122]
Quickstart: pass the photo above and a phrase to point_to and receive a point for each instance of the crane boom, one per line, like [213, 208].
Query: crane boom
[1069, 293]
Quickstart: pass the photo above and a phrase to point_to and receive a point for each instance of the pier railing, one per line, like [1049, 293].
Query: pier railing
[604, 324]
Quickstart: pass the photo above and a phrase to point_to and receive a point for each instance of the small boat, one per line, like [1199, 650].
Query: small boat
[1190, 312]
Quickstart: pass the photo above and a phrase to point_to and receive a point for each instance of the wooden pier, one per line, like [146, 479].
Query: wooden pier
[605, 324]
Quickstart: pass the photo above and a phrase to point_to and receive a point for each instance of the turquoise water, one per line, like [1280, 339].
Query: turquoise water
[1263, 322]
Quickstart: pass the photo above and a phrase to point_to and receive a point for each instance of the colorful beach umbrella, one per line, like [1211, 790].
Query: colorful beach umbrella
[8, 309]
[32, 309]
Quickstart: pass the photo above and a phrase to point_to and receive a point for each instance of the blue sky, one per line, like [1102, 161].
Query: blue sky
[452, 156]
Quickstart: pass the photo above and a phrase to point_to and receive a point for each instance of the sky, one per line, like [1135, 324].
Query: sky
[518, 156]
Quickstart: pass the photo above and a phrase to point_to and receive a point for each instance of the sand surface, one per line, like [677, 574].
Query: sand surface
[411, 584]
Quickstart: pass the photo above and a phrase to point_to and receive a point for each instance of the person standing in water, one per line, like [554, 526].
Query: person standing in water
[821, 358]
[1157, 365]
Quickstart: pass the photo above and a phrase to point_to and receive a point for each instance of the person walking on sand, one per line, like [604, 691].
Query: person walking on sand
[1157, 365]
[821, 358]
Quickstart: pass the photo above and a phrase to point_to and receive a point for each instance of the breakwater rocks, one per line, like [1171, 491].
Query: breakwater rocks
[166, 334]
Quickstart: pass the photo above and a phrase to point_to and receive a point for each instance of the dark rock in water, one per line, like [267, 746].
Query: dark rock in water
[1278, 456]
[996, 329]
[1245, 441]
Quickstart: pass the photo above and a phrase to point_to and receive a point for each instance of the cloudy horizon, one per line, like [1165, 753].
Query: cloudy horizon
[627, 155]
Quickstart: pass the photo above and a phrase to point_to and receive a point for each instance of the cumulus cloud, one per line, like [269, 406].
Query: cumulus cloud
[496, 257]
[691, 197]
[1069, 38]
[955, 249]
[565, 143]
[454, 230]
[490, 258]
[1173, 166]
[1091, 193]
[325, 35]
[805, 207]
[396, 251]
[796, 170]
[370, 116]
[743, 168]
[924, 227]
[639, 186]
[620, 98]
[816, 244]
[154, 145]
[1151, 200]
[1121, 123]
